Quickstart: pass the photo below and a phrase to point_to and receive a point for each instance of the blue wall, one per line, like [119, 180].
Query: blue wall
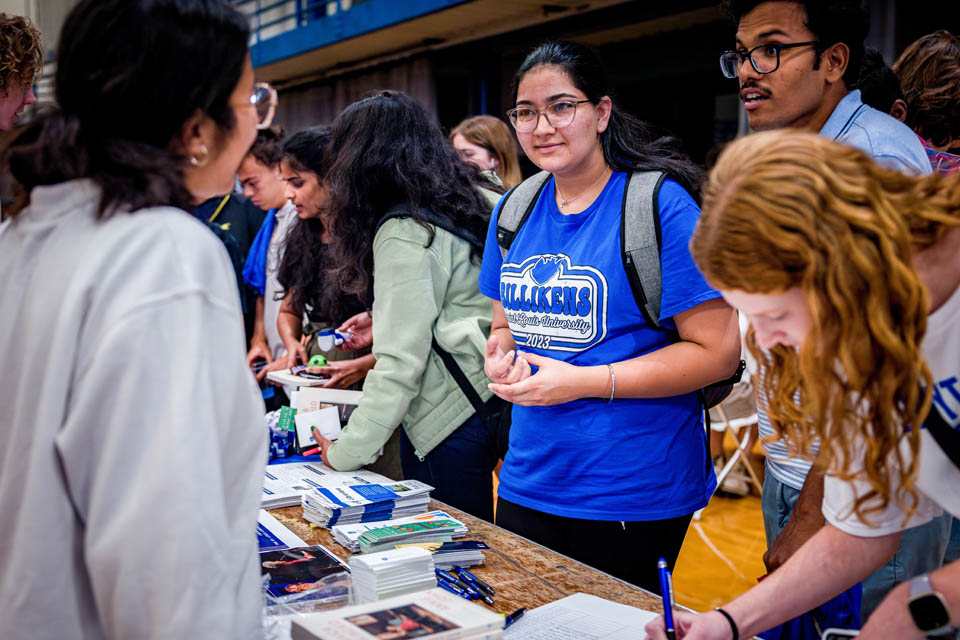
[362, 18]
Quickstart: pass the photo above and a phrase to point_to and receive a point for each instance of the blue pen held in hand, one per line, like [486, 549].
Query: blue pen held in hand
[666, 591]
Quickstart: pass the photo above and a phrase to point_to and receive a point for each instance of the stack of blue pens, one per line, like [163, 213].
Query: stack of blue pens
[465, 584]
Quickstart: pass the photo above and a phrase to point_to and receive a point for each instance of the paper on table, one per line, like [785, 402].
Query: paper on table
[581, 617]
[272, 535]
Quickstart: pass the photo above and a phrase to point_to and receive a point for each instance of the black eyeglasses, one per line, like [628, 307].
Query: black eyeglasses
[764, 59]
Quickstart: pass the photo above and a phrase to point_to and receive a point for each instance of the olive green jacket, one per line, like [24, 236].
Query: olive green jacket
[420, 292]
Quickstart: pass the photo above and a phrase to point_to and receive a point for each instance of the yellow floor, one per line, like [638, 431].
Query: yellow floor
[722, 555]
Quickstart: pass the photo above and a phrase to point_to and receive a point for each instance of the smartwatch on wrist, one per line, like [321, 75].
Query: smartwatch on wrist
[928, 607]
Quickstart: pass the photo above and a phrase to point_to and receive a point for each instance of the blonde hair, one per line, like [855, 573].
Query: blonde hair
[493, 135]
[787, 209]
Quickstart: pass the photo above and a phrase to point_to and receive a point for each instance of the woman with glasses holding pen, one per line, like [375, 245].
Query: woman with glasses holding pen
[133, 448]
[607, 459]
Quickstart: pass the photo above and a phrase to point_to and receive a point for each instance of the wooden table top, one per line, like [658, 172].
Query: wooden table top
[524, 574]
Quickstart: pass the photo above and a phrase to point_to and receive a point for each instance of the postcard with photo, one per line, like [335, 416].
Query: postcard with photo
[300, 570]
[399, 623]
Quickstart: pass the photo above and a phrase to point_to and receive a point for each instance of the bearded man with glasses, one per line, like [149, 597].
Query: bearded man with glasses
[797, 64]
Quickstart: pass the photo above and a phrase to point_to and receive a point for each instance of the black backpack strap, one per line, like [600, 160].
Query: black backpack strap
[516, 207]
[640, 240]
[402, 210]
[462, 380]
[946, 436]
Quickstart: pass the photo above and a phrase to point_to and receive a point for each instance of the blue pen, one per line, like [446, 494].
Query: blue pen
[666, 591]
[469, 577]
[443, 584]
[460, 584]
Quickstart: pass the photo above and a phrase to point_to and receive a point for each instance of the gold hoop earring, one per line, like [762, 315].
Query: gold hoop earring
[202, 160]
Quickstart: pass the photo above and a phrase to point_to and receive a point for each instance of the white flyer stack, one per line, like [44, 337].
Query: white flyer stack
[341, 497]
[349, 498]
[391, 573]
[283, 484]
[434, 614]
[348, 535]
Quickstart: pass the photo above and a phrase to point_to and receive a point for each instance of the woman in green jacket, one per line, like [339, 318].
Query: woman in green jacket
[421, 265]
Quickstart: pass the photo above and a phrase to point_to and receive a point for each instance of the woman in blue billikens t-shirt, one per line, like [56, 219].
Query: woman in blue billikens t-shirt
[610, 482]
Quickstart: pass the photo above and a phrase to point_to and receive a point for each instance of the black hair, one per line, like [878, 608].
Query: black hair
[628, 143]
[267, 149]
[304, 150]
[878, 84]
[304, 269]
[385, 150]
[127, 79]
[830, 21]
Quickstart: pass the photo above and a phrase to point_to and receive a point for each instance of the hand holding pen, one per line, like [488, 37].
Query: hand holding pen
[666, 592]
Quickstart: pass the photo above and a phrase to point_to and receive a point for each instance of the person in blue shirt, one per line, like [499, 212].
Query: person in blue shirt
[607, 459]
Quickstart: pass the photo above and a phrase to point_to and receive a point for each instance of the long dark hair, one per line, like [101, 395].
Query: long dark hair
[628, 143]
[127, 79]
[385, 150]
[304, 270]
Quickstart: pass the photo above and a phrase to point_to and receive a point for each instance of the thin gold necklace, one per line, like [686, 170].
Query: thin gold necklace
[565, 201]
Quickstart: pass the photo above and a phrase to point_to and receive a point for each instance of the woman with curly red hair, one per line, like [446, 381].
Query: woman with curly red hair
[850, 276]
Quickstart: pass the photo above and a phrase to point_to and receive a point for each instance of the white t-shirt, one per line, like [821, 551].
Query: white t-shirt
[938, 480]
[133, 445]
[286, 218]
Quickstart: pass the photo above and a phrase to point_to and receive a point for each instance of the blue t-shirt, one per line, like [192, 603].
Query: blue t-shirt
[566, 296]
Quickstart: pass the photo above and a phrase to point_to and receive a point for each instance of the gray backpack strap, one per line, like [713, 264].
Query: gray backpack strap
[516, 208]
[640, 240]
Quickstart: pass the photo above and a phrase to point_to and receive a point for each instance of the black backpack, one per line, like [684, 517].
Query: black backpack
[640, 245]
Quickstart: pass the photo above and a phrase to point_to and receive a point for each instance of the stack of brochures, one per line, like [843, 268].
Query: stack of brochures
[391, 573]
[447, 555]
[349, 534]
[284, 485]
[434, 614]
[349, 499]
[392, 536]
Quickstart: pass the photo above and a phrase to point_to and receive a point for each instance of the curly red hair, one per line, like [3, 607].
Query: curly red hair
[21, 52]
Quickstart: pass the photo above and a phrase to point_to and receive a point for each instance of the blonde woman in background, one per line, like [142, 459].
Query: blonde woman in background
[486, 143]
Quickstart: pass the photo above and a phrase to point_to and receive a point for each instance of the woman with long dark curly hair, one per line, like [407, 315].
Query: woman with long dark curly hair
[308, 289]
[420, 264]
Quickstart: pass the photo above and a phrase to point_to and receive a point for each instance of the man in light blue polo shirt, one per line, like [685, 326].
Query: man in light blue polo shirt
[797, 63]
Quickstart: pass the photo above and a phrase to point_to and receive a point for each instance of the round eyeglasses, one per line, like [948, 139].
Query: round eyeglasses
[264, 100]
[559, 114]
[764, 59]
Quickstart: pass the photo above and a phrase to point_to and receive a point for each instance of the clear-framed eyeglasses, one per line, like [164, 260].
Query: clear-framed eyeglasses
[264, 100]
[559, 114]
[764, 59]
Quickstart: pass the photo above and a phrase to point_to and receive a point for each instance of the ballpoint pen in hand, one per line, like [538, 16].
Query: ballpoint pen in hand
[666, 592]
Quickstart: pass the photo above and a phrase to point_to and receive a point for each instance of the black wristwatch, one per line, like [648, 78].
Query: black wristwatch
[928, 608]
